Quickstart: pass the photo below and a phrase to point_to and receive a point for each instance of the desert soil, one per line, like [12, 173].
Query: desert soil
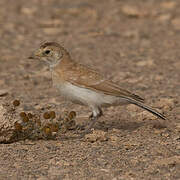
[136, 44]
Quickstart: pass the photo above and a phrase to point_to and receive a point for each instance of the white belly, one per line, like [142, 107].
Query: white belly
[88, 97]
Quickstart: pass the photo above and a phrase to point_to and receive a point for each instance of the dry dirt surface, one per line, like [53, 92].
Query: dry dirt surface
[136, 44]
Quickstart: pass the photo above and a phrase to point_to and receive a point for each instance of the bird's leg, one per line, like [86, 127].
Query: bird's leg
[96, 113]
[93, 117]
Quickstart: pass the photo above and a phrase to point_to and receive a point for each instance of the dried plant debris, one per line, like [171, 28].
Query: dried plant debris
[16, 102]
[35, 125]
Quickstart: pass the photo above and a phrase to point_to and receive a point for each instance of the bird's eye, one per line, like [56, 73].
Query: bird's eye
[47, 51]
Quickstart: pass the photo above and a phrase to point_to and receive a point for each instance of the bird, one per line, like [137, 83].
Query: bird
[83, 85]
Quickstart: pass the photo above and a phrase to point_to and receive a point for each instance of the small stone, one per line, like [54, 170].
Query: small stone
[165, 103]
[176, 23]
[132, 108]
[177, 65]
[3, 92]
[158, 125]
[28, 11]
[164, 17]
[51, 31]
[178, 147]
[133, 11]
[145, 115]
[51, 23]
[177, 126]
[158, 78]
[168, 5]
[145, 63]
[131, 33]
[96, 136]
[114, 138]
[165, 134]
[167, 161]
[8, 124]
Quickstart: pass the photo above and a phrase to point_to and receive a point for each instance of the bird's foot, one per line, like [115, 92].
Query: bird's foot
[82, 131]
[93, 118]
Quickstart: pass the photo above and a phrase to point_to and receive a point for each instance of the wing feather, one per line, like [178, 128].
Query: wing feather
[83, 76]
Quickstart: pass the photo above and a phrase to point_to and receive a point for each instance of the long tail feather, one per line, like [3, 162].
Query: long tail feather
[151, 110]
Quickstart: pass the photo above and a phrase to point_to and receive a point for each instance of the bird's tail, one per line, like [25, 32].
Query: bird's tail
[143, 106]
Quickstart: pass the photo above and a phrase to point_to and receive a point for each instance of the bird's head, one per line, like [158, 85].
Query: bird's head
[50, 52]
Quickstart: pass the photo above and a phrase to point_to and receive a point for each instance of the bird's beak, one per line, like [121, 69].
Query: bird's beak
[34, 55]
[31, 57]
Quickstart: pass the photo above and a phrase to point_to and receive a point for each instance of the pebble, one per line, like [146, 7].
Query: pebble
[168, 5]
[145, 115]
[97, 135]
[3, 92]
[133, 11]
[176, 23]
[165, 104]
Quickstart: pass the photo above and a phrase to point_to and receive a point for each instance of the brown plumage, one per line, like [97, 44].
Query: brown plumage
[83, 85]
[84, 77]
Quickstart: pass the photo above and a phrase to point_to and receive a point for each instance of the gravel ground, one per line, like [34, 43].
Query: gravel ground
[135, 43]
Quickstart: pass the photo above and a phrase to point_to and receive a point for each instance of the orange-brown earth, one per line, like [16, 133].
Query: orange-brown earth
[136, 43]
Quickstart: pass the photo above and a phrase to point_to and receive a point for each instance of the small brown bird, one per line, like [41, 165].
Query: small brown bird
[83, 85]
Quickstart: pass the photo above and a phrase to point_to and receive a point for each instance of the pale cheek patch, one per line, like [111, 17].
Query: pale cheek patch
[57, 55]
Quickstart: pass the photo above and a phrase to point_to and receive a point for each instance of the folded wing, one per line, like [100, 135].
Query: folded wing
[82, 76]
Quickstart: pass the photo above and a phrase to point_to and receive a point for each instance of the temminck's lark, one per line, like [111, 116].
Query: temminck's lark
[83, 85]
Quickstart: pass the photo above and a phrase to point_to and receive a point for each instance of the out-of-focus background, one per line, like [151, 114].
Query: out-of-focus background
[135, 43]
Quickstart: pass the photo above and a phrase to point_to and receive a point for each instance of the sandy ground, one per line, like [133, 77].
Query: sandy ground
[135, 43]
